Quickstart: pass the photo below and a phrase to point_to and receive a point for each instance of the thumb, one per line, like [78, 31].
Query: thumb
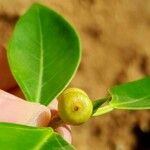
[17, 110]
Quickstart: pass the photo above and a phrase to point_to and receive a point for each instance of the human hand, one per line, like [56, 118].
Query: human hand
[16, 110]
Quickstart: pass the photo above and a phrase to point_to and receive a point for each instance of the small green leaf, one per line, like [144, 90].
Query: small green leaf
[132, 95]
[102, 110]
[19, 137]
[43, 53]
[98, 103]
[101, 106]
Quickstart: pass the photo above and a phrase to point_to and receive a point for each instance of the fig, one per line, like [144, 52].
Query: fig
[74, 106]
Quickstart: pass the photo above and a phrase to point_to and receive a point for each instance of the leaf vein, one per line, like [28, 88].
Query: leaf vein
[38, 96]
[131, 101]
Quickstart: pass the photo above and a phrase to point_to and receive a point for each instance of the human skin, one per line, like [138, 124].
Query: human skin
[13, 107]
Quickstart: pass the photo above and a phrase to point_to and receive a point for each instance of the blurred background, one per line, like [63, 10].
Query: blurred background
[115, 37]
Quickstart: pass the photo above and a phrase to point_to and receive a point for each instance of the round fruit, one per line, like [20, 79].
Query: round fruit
[74, 106]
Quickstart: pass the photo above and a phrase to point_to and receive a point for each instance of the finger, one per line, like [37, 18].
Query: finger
[53, 106]
[16, 110]
[6, 79]
[65, 132]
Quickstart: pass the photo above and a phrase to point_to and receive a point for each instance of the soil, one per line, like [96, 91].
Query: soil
[115, 37]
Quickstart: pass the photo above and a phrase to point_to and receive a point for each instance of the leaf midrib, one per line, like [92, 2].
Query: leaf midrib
[128, 102]
[42, 142]
[38, 95]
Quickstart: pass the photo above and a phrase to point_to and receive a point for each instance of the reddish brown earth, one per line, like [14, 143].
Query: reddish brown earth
[115, 37]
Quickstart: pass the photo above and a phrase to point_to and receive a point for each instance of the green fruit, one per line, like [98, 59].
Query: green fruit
[74, 106]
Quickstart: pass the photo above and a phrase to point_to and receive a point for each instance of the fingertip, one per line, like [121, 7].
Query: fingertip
[53, 105]
[41, 117]
[65, 132]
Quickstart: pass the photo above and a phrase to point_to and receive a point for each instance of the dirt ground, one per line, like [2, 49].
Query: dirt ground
[115, 37]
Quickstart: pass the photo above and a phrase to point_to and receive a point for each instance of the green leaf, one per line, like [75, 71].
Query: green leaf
[43, 53]
[19, 137]
[132, 95]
